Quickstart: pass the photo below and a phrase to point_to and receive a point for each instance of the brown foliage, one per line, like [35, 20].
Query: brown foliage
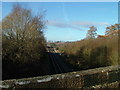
[23, 40]
[92, 53]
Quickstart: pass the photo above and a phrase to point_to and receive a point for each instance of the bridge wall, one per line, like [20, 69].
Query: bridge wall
[100, 77]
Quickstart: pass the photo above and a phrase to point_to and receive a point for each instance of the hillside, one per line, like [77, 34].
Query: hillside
[91, 53]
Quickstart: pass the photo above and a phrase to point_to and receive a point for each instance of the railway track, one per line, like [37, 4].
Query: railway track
[55, 66]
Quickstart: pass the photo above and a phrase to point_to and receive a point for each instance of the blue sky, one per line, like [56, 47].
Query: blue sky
[69, 21]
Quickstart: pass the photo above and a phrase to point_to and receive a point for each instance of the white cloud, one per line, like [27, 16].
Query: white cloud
[75, 24]
[62, 25]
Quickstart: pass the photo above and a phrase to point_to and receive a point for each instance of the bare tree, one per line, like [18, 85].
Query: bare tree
[91, 33]
[23, 38]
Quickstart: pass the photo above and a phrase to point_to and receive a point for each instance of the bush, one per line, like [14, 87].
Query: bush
[93, 52]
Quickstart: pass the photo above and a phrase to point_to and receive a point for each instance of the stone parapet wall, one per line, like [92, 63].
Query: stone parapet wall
[99, 77]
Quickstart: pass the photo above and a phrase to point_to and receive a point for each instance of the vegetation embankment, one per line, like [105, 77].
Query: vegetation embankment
[23, 44]
[93, 51]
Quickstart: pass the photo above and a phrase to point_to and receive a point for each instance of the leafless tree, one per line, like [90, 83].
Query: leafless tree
[23, 38]
[91, 33]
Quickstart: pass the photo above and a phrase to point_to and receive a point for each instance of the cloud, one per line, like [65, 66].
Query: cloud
[62, 25]
[75, 24]
[88, 24]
